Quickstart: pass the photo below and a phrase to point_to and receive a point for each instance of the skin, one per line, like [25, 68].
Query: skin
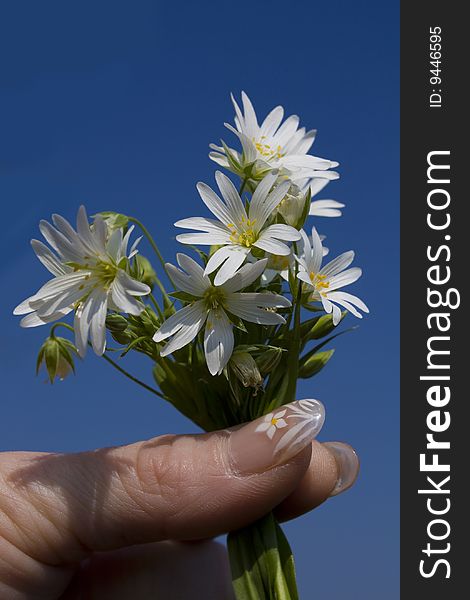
[137, 521]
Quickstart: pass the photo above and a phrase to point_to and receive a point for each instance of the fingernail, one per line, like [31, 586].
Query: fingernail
[347, 462]
[277, 437]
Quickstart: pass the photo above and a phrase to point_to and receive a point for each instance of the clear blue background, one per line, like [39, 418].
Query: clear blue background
[113, 105]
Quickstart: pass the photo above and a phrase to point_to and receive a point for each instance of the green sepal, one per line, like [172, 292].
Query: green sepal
[182, 296]
[51, 358]
[306, 210]
[232, 161]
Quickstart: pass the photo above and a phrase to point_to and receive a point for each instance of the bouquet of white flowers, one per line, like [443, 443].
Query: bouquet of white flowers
[230, 334]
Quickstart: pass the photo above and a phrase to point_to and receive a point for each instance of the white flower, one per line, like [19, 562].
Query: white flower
[88, 265]
[211, 305]
[323, 282]
[271, 146]
[237, 230]
[272, 422]
[282, 265]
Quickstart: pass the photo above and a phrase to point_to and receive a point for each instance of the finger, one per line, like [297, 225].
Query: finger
[333, 469]
[172, 487]
[155, 571]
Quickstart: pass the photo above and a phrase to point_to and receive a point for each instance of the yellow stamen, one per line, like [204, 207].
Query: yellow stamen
[318, 280]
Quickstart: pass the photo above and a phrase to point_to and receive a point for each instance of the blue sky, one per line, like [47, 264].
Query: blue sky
[113, 105]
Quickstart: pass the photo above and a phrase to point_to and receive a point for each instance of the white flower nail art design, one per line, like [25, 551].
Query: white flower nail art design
[272, 422]
[300, 420]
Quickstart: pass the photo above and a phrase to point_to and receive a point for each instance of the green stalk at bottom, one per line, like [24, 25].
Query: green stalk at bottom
[261, 562]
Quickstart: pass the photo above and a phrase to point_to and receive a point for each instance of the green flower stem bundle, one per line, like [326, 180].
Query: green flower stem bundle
[230, 329]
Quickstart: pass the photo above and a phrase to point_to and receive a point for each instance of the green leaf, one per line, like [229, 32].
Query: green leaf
[314, 364]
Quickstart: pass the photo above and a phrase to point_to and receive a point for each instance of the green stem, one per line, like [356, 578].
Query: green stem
[111, 362]
[157, 308]
[294, 349]
[60, 324]
[242, 187]
[151, 241]
[132, 378]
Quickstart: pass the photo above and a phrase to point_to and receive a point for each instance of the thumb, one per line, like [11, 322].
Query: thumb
[171, 487]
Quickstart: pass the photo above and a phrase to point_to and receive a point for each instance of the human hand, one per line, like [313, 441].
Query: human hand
[109, 524]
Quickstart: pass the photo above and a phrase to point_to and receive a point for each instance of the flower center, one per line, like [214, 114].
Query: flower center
[245, 234]
[104, 272]
[274, 421]
[214, 297]
[267, 150]
[319, 281]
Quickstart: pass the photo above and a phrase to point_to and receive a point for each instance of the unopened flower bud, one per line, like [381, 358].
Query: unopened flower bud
[144, 271]
[293, 207]
[113, 220]
[117, 325]
[57, 355]
[244, 367]
[268, 359]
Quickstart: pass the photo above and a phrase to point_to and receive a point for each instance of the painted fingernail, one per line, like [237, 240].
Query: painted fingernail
[347, 462]
[277, 437]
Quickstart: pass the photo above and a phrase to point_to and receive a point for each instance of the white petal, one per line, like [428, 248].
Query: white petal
[265, 242]
[272, 121]
[326, 208]
[249, 150]
[231, 197]
[229, 268]
[282, 232]
[264, 299]
[58, 241]
[286, 130]
[131, 285]
[259, 198]
[316, 185]
[247, 311]
[218, 341]
[336, 315]
[245, 276]
[215, 204]
[307, 161]
[272, 201]
[34, 320]
[343, 297]
[195, 271]
[317, 252]
[251, 122]
[61, 284]
[49, 259]
[305, 143]
[184, 336]
[338, 264]
[187, 316]
[113, 247]
[97, 317]
[185, 282]
[123, 301]
[81, 326]
[202, 224]
[344, 278]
